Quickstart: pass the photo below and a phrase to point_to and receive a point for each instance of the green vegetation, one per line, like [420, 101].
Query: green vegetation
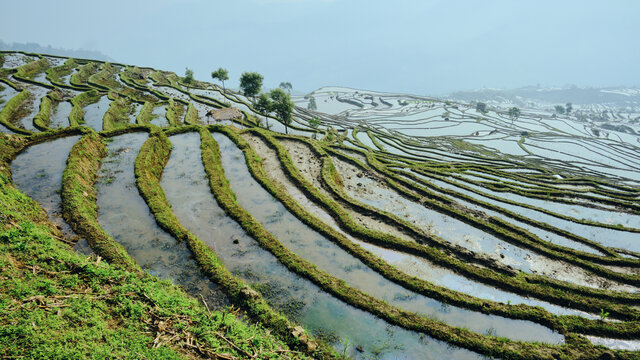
[55, 74]
[14, 110]
[80, 77]
[285, 85]
[105, 78]
[175, 112]
[79, 200]
[251, 83]
[315, 122]
[191, 118]
[42, 118]
[264, 105]
[30, 70]
[312, 103]
[146, 114]
[514, 113]
[537, 286]
[117, 116]
[536, 314]
[135, 76]
[282, 106]
[116, 309]
[461, 337]
[222, 75]
[76, 118]
[188, 76]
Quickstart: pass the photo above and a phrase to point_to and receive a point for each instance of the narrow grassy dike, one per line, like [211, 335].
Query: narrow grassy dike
[149, 166]
[79, 206]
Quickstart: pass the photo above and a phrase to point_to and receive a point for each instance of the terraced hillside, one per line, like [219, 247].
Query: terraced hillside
[399, 227]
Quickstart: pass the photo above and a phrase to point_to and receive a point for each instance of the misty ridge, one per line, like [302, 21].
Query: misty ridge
[621, 97]
[37, 48]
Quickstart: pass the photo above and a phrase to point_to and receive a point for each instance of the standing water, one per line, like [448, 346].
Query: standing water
[94, 113]
[37, 172]
[60, 116]
[325, 316]
[123, 214]
[329, 257]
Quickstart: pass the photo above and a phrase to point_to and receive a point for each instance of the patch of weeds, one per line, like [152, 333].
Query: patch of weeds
[275, 217]
[247, 274]
[352, 267]
[326, 335]
[280, 298]
[404, 297]
[491, 331]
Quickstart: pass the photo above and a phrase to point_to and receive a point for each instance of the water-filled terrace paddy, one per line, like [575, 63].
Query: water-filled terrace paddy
[399, 230]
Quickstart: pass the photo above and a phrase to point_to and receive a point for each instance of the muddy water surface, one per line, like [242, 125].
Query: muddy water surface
[322, 314]
[123, 214]
[37, 93]
[330, 258]
[160, 116]
[37, 172]
[60, 115]
[93, 113]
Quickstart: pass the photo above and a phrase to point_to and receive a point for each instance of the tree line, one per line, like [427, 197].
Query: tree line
[277, 101]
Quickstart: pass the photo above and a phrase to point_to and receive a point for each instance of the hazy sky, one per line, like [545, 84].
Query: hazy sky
[422, 46]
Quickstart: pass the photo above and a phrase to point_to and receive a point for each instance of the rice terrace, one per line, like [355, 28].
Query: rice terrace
[146, 214]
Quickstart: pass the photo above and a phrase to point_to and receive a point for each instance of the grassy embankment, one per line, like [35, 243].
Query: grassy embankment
[76, 118]
[15, 109]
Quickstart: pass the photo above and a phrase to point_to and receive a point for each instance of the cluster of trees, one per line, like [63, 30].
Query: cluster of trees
[514, 113]
[564, 109]
[188, 76]
[312, 102]
[277, 101]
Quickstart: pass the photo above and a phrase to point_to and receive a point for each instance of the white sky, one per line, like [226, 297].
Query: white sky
[422, 46]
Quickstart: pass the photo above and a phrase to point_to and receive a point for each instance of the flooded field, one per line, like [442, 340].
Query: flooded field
[125, 216]
[470, 234]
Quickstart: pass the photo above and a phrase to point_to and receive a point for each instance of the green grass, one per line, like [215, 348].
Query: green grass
[76, 117]
[191, 118]
[117, 116]
[55, 74]
[30, 70]
[79, 205]
[146, 114]
[43, 117]
[14, 110]
[80, 77]
[175, 112]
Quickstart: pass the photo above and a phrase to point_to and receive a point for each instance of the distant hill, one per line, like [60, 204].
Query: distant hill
[618, 96]
[37, 48]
